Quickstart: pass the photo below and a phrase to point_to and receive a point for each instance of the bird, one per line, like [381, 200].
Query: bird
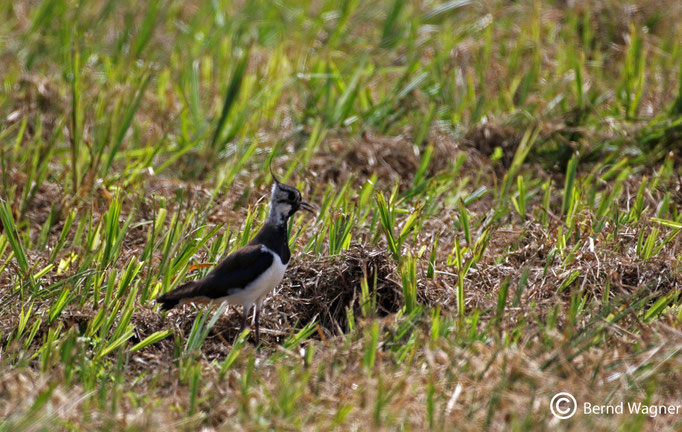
[248, 274]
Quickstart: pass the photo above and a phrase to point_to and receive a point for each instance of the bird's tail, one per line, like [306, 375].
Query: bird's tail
[185, 292]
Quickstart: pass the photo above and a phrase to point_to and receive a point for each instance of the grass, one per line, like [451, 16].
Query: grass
[499, 192]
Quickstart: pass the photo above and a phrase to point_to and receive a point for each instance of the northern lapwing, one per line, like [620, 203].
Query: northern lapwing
[247, 275]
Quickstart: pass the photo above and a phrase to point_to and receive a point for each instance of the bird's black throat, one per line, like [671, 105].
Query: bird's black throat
[274, 236]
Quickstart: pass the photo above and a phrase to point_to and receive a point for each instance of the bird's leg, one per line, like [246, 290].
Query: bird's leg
[245, 312]
[258, 325]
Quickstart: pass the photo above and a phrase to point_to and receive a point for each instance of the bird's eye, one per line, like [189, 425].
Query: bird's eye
[291, 196]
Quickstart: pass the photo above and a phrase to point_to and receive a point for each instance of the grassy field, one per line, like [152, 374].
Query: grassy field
[500, 193]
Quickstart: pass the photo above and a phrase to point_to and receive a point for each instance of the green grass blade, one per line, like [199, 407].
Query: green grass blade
[231, 96]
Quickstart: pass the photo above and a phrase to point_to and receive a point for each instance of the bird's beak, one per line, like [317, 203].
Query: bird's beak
[308, 207]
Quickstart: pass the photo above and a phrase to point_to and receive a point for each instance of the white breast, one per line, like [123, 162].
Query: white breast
[262, 285]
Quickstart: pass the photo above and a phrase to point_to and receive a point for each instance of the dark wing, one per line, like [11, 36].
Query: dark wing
[239, 269]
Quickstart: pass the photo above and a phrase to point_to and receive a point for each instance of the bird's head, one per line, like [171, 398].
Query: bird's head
[285, 201]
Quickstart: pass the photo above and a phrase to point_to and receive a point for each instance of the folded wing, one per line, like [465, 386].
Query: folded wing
[237, 271]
